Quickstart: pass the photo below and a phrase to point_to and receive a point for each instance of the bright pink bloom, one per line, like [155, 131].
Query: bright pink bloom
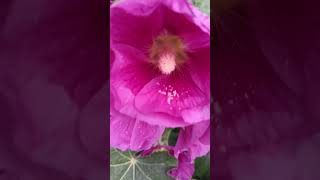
[160, 76]
[162, 62]
[185, 168]
[193, 142]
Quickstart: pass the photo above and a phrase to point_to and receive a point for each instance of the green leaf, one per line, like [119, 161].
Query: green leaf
[128, 166]
[202, 168]
[173, 136]
[203, 5]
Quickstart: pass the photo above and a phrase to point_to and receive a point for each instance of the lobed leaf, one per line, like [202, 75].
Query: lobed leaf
[128, 166]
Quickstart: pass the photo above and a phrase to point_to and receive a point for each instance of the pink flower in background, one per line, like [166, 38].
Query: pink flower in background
[193, 142]
[195, 139]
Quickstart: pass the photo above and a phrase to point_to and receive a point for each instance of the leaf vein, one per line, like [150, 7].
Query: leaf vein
[152, 164]
[121, 164]
[134, 172]
[139, 168]
[125, 173]
[121, 154]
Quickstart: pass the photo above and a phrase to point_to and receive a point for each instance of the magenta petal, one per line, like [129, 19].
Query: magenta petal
[198, 130]
[162, 119]
[145, 8]
[136, 7]
[144, 135]
[147, 19]
[133, 76]
[200, 18]
[122, 101]
[121, 127]
[200, 71]
[130, 69]
[189, 140]
[185, 168]
[128, 76]
[196, 114]
[169, 95]
[128, 133]
[205, 139]
[126, 27]
[196, 40]
[126, 55]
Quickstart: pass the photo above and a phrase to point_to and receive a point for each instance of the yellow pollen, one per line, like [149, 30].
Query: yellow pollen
[167, 53]
[167, 63]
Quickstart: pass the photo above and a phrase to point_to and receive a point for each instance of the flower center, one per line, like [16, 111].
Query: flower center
[167, 63]
[167, 53]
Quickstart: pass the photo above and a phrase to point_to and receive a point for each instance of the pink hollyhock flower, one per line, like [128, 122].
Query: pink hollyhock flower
[161, 67]
[193, 142]
[160, 77]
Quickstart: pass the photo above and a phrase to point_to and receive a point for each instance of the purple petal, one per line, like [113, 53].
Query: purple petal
[185, 168]
[176, 96]
[130, 134]
[162, 118]
[121, 128]
[145, 135]
[126, 132]
[142, 28]
[189, 147]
